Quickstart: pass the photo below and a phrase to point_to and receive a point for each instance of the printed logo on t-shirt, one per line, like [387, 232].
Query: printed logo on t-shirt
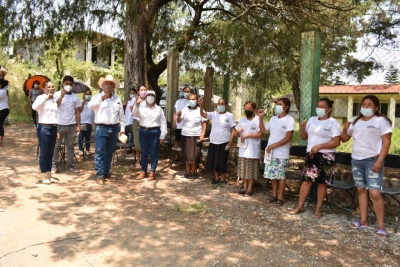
[253, 128]
[284, 126]
[327, 129]
[371, 127]
[226, 120]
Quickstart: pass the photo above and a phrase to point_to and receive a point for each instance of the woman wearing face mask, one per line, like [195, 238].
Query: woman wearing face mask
[128, 114]
[372, 133]
[223, 124]
[87, 119]
[248, 131]
[193, 131]
[136, 124]
[4, 108]
[281, 128]
[323, 134]
[33, 94]
[153, 129]
[179, 105]
[47, 109]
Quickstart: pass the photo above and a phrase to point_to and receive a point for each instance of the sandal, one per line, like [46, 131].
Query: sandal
[247, 194]
[317, 214]
[241, 192]
[297, 210]
[381, 233]
[280, 202]
[358, 225]
[271, 199]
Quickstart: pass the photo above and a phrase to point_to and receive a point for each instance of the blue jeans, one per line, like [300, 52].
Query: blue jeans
[48, 137]
[149, 143]
[106, 140]
[363, 175]
[84, 136]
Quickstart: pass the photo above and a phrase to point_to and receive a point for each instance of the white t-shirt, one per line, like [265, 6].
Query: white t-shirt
[179, 105]
[3, 98]
[128, 111]
[367, 136]
[47, 109]
[66, 110]
[278, 127]
[221, 127]
[191, 122]
[253, 145]
[87, 115]
[321, 132]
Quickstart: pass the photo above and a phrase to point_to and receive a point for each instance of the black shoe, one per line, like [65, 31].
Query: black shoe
[186, 175]
[107, 175]
[223, 182]
[213, 181]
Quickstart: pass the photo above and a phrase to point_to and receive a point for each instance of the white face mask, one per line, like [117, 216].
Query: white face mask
[35, 85]
[367, 112]
[278, 110]
[132, 96]
[67, 88]
[192, 103]
[150, 99]
[221, 108]
[186, 95]
[320, 112]
[88, 97]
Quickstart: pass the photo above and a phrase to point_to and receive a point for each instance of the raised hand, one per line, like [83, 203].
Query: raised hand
[200, 101]
[303, 124]
[261, 112]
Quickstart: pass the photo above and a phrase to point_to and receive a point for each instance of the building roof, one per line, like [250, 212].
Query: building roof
[360, 89]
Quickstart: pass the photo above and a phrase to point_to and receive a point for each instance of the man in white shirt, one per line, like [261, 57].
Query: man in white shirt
[68, 122]
[109, 119]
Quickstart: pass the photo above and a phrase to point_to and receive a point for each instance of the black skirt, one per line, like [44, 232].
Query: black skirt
[217, 158]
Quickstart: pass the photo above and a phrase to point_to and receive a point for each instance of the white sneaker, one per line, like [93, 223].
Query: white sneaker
[87, 153]
[80, 153]
[46, 181]
[177, 148]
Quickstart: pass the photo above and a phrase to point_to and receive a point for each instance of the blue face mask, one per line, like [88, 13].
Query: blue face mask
[192, 103]
[88, 97]
[186, 95]
[278, 110]
[367, 112]
[320, 112]
[132, 96]
[221, 108]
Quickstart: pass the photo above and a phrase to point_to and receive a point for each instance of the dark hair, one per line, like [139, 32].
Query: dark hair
[223, 99]
[252, 103]
[183, 89]
[328, 101]
[36, 82]
[375, 100]
[68, 78]
[84, 92]
[46, 82]
[133, 89]
[286, 101]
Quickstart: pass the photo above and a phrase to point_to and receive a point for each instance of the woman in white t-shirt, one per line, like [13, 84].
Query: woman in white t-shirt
[372, 133]
[323, 134]
[128, 115]
[223, 125]
[4, 108]
[87, 118]
[193, 131]
[249, 143]
[179, 105]
[281, 128]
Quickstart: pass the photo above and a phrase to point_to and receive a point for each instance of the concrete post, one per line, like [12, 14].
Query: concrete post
[172, 83]
[350, 102]
[392, 110]
[309, 75]
[208, 89]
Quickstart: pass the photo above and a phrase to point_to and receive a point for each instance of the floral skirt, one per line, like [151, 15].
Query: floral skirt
[276, 170]
[319, 168]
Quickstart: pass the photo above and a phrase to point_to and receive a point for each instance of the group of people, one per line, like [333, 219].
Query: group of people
[62, 115]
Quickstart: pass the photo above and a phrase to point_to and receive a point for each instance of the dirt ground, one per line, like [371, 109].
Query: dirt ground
[170, 222]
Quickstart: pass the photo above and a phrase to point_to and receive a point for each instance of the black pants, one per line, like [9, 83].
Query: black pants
[34, 112]
[3, 115]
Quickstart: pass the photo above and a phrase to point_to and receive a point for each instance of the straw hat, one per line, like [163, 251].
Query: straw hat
[108, 78]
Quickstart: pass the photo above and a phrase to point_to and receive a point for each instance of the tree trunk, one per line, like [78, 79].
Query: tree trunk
[208, 89]
[296, 88]
[238, 100]
[227, 86]
[134, 57]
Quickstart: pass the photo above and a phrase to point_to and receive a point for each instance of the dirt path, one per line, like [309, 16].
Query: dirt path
[131, 223]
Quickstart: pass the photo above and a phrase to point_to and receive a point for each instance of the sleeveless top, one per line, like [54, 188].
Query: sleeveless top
[35, 93]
